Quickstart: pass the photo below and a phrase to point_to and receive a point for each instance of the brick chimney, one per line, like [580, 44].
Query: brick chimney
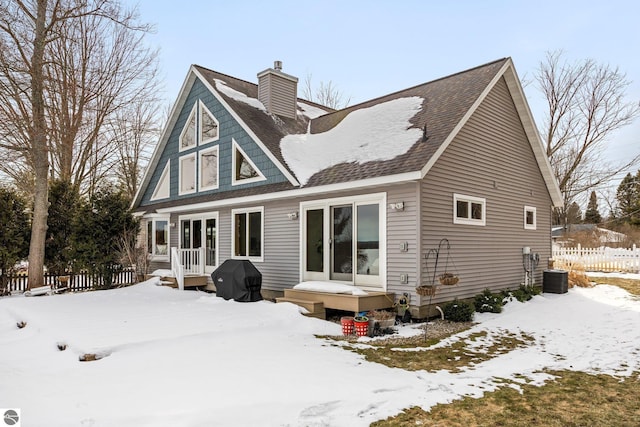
[278, 91]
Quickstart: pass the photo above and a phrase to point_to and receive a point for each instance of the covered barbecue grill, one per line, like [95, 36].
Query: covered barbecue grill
[238, 279]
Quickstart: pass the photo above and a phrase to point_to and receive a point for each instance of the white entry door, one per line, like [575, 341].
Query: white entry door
[200, 231]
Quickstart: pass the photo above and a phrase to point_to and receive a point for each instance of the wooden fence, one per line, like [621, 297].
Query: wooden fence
[598, 259]
[81, 281]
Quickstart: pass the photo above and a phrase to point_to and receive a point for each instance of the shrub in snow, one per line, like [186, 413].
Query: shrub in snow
[458, 311]
[522, 294]
[14, 232]
[487, 302]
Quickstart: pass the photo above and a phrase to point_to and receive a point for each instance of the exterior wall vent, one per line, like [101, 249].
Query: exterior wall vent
[278, 91]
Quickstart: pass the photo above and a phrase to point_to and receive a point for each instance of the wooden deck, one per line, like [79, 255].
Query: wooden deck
[317, 302]
[190, 281]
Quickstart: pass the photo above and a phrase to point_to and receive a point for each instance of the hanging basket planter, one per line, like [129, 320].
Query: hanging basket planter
[448, 279]
[426, 290]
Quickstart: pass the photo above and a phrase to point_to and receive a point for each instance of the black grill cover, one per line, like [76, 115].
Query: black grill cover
[238, 279]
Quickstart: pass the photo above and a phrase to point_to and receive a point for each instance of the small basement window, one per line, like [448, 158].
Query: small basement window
[530, 218]
[469, 210]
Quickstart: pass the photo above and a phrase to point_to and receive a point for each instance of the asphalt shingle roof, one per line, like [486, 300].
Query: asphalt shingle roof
[445, 102]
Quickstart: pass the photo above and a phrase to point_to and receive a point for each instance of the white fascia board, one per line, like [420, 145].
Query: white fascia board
[246, 128]
[299, 192]
[164, 136]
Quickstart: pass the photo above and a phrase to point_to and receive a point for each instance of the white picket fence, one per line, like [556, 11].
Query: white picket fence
[597, 259]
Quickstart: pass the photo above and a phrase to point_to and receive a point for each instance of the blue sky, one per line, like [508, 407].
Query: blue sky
[371, 48]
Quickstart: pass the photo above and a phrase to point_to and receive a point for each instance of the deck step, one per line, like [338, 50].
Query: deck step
[345, 302]
[314, 308]
[191, 281]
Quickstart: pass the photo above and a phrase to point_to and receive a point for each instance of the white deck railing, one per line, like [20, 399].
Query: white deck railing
[598, 259]
[192, 260]
[177, 268]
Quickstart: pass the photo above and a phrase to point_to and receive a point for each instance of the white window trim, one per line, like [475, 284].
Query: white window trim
[469, 199]
[195, 172]
[154, 218]
[535, 218]
[203, 110]
[203, 217]
[186, 127]
[201, 153]
[372, 283]
[166, 173]
[234, 181]
[247, 211]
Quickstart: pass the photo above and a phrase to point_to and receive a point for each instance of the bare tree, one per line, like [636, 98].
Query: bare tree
[100, 68]
[586, 105]
[37, 73]
[132, 133]
[325, 94]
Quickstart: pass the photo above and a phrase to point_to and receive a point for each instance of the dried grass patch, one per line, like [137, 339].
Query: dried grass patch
[630, 285]
[415, 354]
[572, 399]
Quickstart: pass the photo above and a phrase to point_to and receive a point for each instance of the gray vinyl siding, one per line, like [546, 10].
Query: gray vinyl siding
[402, 226]
[490, 158]
[280, 267]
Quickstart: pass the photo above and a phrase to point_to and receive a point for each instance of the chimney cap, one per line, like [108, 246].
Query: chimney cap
[277, 65]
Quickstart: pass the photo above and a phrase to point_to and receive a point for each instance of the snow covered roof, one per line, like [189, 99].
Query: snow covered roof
[376, 138]
[397, 135]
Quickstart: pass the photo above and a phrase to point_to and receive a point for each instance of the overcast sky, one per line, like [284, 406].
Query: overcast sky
[371, 48]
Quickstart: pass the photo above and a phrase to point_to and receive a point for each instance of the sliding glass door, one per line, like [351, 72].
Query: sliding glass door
[343, 241]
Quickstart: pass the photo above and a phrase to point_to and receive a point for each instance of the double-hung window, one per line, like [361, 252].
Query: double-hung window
[158, 237]
[248, 233]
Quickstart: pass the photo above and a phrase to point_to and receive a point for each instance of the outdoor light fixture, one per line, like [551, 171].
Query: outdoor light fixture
[398, 206]
[293, 215]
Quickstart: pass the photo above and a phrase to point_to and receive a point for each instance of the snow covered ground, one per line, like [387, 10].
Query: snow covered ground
[192, 359]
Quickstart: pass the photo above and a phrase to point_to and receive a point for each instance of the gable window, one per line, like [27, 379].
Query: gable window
[188, 135]
[162, 187]
[209, 169]
[158, 237]
[208, 125]
[529, 218]
[188, 174]
[469, 210]
[248, 232]
[244, 170]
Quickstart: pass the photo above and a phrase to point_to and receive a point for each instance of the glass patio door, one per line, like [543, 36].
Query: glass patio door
[344, 242]
[210, 237]
[341, 243]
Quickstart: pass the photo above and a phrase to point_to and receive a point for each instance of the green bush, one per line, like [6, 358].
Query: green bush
[458, 311]
[523, 293]
[487, 302]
